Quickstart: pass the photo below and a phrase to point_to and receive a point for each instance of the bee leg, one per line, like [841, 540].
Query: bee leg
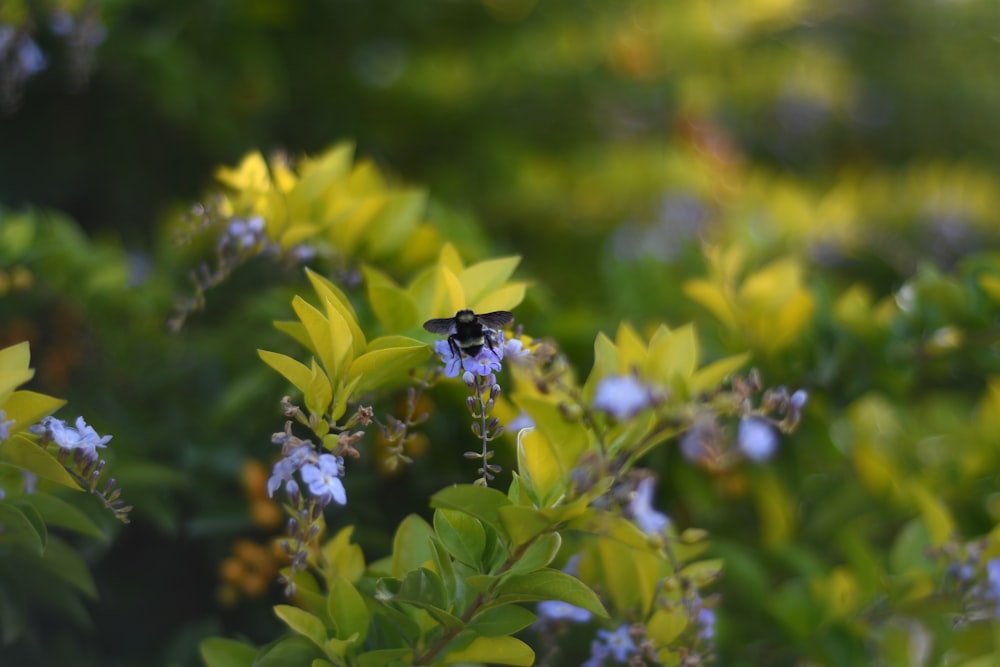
[453, 345]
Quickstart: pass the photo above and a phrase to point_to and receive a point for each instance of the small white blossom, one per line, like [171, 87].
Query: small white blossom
[622, 396]
[82, 438]
[756, 439]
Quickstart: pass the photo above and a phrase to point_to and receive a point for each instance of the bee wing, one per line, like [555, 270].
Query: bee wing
[497, 319]
[444, 325]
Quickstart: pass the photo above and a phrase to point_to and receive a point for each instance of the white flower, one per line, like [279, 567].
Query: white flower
[323, 479]
[82, 438]
[648, 519]
[622, 396]
[756, 439]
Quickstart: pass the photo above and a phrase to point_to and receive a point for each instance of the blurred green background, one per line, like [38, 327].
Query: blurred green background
[605, 142]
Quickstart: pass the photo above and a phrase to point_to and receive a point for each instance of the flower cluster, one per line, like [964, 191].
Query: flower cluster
[479, 371]
[77, 452]
[318, 484]
[706, 442]
[81, 441]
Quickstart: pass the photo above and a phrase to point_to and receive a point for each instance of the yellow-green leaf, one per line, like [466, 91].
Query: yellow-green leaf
[28, 407]
[291, 369]
[303, 623]
[482, 278]
[25, 454]
[495, 651]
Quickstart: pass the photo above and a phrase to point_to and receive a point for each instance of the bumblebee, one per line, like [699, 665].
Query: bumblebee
[467, 331]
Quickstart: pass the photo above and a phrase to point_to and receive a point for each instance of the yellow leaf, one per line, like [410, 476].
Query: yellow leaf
[251, 174]
[291, 369]
[341, 339]
[318, 329]
[937, 518]
[482, 278]
[712, 375]
[631, 349]
[507, 297]
[990, 284]
[495, 651]
[776, 508]
[450, 259]
[15, 357]
[539, 466]
[713, 298]
[451, 297]
[666, 624]
[672, 354]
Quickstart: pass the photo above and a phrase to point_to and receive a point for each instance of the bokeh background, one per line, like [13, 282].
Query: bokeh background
[607, 143]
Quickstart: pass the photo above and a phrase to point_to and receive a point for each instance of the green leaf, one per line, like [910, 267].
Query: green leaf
[703, 572]
[567, 440]
[411, 546]
[395, 222]
[294, 650]
[538, 555]
[423, 589]
[64, 562]
[25, 454]
[381, 368]
[462, 535]
[385, 657]
[495, 651]
[347, 609]
[18, 528]
[523, 523]
[35, 517]
[219, 652]
[291, 369]
[343, 558]
[500, 621]
[303, 623]
[481, 502]
[549, 584]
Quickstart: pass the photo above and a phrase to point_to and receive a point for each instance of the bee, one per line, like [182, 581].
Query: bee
[467, 331]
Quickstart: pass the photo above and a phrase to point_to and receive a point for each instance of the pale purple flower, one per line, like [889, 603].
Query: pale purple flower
[640, 507]
[5, 425]
[622, 396]
[323, 479]
[619, 643]
[599, 652]
[286, 467]
[798, 399]
[452, 362]
[706, 623]
[557, 610]
[30, 57]
[514, 349]
[522, 420]
[486, 362]
[756, 439]
[993, 582]
[82, 438]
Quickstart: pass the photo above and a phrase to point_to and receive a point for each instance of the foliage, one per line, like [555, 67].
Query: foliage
[781, 215]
